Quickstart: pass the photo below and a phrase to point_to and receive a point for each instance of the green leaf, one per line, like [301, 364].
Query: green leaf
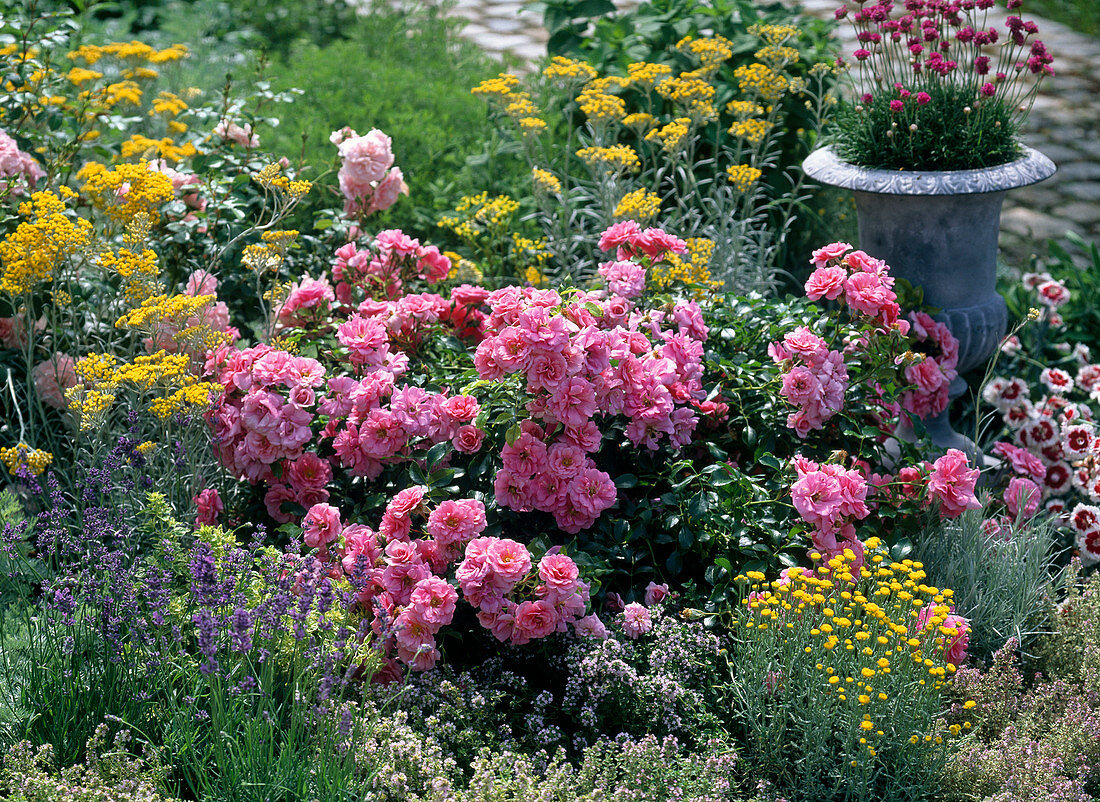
[436, 454]
[626, 481]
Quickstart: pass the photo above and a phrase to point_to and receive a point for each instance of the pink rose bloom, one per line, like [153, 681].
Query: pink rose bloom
[461, 408]
[365, 159]
[273, 501]
[816, 497]
[18, 170]
[952, 483]
[591, 628]
[243, 136]
[619, 234]
[508, 559]
[388, 191]
[834, 250]
[655, 593]
[321, 525]
[559, 574]
[433, 602]
[803, 342]
[310, 471]
[826, 282]
[201, 282]
[925, 375]
[52, 378]
[406, 501]
[315, 294]
[456, 521]
[501, 622]
[624, 278]
[1022, 497]
[209, 506]
[801, 386]
[1021, 460]
[636, 620]
[468, 439]
[866, 293]
[533, 620]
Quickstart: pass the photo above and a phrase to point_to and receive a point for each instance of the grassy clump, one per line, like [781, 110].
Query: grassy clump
[952, 131]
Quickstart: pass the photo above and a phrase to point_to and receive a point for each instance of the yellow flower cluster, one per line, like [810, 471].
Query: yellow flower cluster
[261, 258]
[119, 92]
[761, 80]
[743, 176]
[533, 276]
[692, 269]
[517, 105]
[613, 159]
[689, 90]
[646, 74]
[90, 406]
[744, 108]
[639, 121]
[672, 135]
[546, 181]
[640, 205]
[567, 70]
[22, 455]
[159, 310]
[498, 87]
[139, 272]
[127, 190]
[194, 398]
[777, 57]
[525, 249]
[774, 35]
[168, 104]
[80, 75]
[751, 130]
[271, 177]
[463, 270]
[134, 50]
[280, 240]
[710, 50]
[153, 370]
[601, 107]
[39, 245]
[144, 147]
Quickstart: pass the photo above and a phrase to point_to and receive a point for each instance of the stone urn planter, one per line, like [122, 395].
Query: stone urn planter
[938, 231]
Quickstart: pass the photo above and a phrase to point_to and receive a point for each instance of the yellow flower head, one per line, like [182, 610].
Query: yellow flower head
[640, 205]
[613, 159]
[567, 70]
[546, 181]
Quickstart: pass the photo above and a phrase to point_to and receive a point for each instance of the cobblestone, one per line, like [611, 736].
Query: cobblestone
[1063, 122]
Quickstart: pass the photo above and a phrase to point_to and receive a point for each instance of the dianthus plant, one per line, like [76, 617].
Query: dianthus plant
[1045, 392]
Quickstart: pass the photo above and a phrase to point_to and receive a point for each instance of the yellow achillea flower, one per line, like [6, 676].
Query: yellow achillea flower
[280, 240]
[691, 269]
[262, 257]
[777, 57]
[710, 50]
[613, 159]
[546, 181]
[532, 125]
[640, 205]
[139, 272]
[526, 249]
[122, 91]
[761, 80]
[533, 277]
[143, 146]
[774, 35]
[170, 53]
[79, 75]
[147, 189]
[672, 135]
[752, 131]
[89, 405]
[742, 176]
[480, 215]
[566, 70]
[601, 107]
[500, 86]
[639, 121]
[271, 177]
[35, 460]
[162, 309]
[192, 399]
[38, 246]
[744, 108]
[520, 105]
[148, 371]
[645, 73]
[686, 89]
[168, 104]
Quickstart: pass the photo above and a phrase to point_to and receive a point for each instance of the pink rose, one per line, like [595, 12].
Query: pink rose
[468, 439]
[209, 506]
[591, 628]
[1022, 497]
[952, 483]
[321, 525]
[52, 378]
[834, 250]
[826, 282]
[533, 620]
[636, 620]
[655, 593]
[559, 574]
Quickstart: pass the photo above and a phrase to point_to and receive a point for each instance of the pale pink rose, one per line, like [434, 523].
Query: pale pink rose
[591, 628]
[826, 282]
[803, 342]
[365, 158]
[209, 506]
[468, 439]
[508, 559]
[52, 378]
[834, 250]
[243, 136]
[461, 408]
[433, 602]
[321, 525]
[636, 620]
[388, 191]
[926, 375]
[559, 574]
[533, 620]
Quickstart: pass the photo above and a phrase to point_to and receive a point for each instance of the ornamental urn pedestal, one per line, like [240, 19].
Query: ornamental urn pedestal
[938, 231]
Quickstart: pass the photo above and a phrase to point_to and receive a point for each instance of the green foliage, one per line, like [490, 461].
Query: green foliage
[1001, 582]
[947, 134]
[1080, 15]
[407, 73]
